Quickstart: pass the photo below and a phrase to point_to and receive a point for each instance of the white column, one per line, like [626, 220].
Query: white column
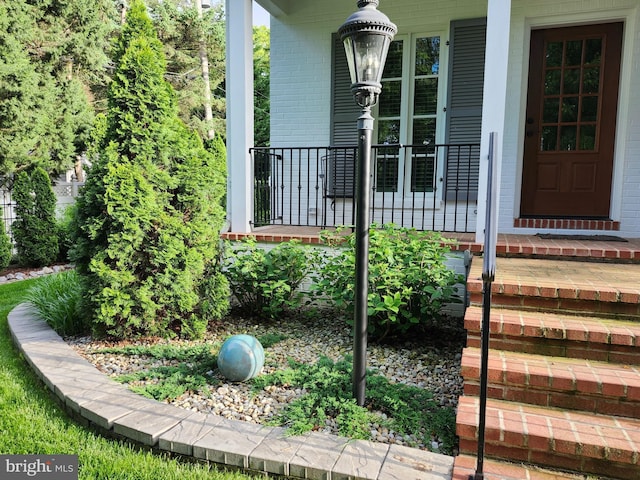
[494, 98]
[239, 86]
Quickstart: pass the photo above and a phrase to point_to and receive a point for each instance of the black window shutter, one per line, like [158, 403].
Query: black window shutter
[340, 162]
[464, 107]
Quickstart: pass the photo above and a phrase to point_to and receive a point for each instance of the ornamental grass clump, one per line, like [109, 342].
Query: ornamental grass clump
[146, 236]
[409, 281]
[56, 298]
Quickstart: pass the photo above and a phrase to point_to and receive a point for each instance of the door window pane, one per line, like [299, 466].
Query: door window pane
[568, 137]
[552, 82]
[550, 112]
[388, 131]
[588, 137]
[422, 173]
[390, 98]
[554, 54]
[571, 82]
[589, 109]
[393, 65]
[570, 109]
[591, 80]
[424, 131]
[425, 100]
[549, 139]
[386, 173]
[593, 51]
[573, 55]
[427, 56]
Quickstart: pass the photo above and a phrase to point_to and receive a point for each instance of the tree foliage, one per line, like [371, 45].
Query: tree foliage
[52, 60]
[180, 30]
[147, 229]
[5, 247]
[261, 75]
[35, 228]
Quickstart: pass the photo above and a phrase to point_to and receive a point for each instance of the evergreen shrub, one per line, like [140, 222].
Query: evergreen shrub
[5, 247]
[35, 229]
[146, 235]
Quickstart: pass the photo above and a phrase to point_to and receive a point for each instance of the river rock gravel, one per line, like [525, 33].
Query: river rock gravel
[430, 360]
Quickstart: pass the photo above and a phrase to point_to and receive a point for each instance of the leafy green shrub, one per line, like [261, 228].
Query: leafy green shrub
[146, 234]
[35, 225]
[56, 299]
[5, 247]
[266, 282]
[408, 280]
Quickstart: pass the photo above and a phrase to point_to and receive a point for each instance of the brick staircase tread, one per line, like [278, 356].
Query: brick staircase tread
[465, 465]
[616, 283]
[601, 437]
[555, 373]
[556, 326]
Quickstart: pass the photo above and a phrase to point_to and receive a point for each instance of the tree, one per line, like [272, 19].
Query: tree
[146, 237]
[52, 65]
[187, 37]
[261, 55]
[35, 228]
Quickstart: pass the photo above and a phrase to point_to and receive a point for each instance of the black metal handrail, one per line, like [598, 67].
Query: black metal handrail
[427, 187]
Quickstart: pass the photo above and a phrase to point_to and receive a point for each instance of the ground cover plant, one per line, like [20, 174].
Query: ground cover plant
[32, 423]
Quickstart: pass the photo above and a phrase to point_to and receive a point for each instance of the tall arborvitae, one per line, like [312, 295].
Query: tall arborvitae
[35, 228]
[147, 234]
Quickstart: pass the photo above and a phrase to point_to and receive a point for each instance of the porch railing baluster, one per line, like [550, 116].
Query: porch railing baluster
[436, 192]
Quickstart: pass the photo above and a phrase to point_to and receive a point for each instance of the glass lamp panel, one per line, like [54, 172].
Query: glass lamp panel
[350, 52]
[368, 54]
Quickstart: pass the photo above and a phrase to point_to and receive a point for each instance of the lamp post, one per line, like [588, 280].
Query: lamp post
[366, 34]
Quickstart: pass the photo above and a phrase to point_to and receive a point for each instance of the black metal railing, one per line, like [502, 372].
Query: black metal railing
[427, 187]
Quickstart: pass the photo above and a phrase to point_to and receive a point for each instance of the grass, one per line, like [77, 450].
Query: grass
[32, 423]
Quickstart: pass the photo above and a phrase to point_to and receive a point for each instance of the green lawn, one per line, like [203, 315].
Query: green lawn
[32, 423]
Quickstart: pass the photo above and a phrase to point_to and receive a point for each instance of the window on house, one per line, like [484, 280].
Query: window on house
[407, 115]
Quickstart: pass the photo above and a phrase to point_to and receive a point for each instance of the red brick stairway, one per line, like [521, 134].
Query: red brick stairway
[564, 371]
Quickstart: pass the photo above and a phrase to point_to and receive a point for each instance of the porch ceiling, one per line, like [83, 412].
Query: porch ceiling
[277, 8]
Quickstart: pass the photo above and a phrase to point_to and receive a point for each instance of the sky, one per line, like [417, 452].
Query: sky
[260, 15]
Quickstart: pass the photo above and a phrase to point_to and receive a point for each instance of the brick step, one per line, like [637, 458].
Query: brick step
[466, 465]
[557, 335]
[581, 442]
[573, 384]
[556, 285]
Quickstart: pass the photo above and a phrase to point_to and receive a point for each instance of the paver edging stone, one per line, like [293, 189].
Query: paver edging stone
[112, 407]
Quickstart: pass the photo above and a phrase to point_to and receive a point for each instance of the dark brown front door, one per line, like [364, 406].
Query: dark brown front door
[570, 124]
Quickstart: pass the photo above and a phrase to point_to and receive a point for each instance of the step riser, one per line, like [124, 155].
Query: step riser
[566, 401]
[559, 304]
[560, 348]
[607, 467]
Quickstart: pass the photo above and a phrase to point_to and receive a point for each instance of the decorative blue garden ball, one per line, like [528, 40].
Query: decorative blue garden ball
[240, 358]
